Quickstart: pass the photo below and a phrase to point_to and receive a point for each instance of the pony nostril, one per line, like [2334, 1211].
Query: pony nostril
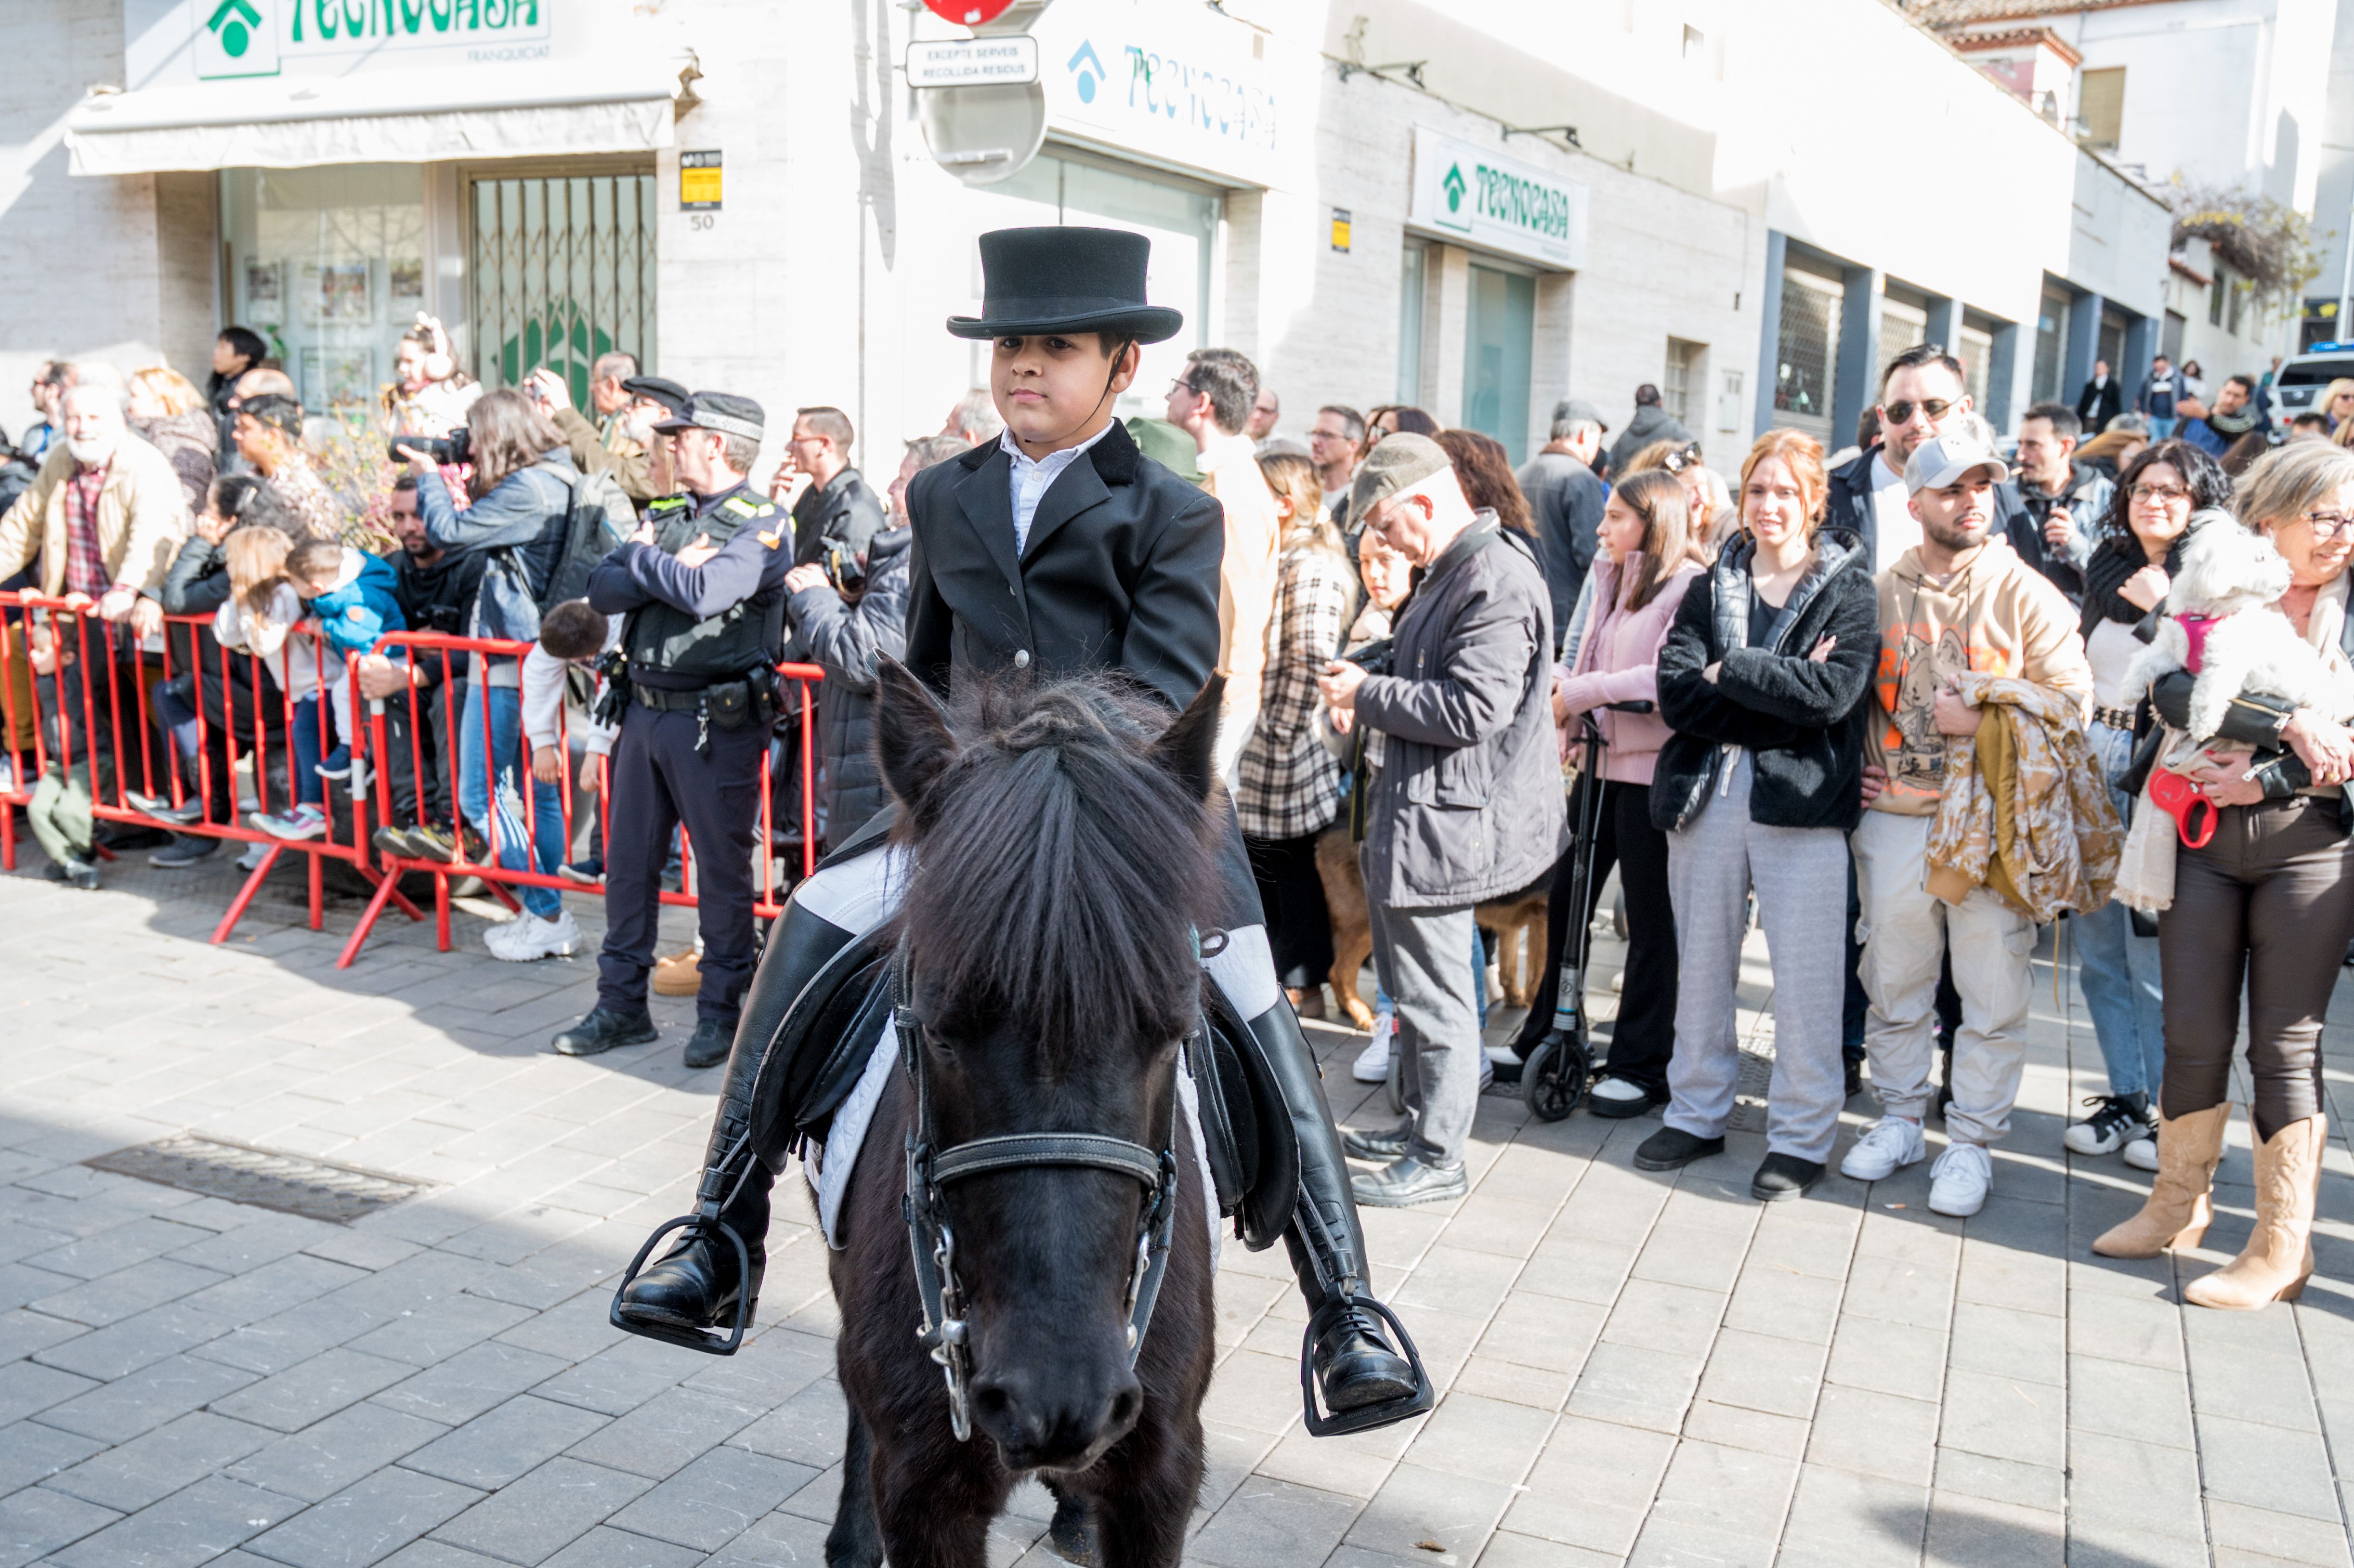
[991, 1402]
[1125, 1407]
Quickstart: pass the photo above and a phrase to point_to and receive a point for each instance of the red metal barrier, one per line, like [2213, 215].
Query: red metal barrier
[425, 649]
[84, 712]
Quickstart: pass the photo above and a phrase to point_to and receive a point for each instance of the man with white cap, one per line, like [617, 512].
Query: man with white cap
[1959, 601]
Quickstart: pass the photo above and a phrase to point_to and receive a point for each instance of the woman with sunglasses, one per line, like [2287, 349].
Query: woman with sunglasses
[2125, 580]
[1398, 419]
[2266, 906]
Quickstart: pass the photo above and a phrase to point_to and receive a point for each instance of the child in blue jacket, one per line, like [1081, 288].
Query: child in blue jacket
[350, 593]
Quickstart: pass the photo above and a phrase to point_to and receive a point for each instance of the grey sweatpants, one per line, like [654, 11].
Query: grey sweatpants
[1418, 953]
[1800, 878]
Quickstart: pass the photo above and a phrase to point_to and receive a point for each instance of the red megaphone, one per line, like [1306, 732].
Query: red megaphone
[2194, 814]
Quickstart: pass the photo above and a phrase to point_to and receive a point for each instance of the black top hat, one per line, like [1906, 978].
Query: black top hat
[1065, 280]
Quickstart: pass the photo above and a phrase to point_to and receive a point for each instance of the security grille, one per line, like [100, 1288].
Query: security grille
[1808, 356]
[564, 270]
[290, 1183]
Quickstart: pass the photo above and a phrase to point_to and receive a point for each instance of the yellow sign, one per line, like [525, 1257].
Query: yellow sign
[698, 182]
[1341, 230]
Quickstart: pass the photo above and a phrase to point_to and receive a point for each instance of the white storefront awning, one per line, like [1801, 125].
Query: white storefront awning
[538, 108]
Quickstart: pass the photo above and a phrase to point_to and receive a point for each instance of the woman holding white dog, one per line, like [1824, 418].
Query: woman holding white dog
[2124, 590]
[2268, 901]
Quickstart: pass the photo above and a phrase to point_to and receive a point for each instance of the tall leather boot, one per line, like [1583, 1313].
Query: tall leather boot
[696, 1286]
[1363, 1380]
[2179, 1208]
[2278, 1258]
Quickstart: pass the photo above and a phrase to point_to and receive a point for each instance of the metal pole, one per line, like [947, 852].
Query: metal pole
[2345, 279]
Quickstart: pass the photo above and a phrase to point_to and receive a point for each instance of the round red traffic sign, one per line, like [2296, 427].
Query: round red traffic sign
[968, 13]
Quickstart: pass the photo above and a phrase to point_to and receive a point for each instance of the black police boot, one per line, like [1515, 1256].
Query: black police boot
[709, 1044]
[602, 1030]
[701, 1293]
[1363, 1380]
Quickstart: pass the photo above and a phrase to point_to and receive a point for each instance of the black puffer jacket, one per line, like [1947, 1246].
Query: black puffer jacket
[850, 641]
[1802, 722]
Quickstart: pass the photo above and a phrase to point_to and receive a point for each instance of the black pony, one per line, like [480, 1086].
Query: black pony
[1061, 869]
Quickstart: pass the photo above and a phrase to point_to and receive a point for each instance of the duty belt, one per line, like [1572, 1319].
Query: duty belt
[662, 699]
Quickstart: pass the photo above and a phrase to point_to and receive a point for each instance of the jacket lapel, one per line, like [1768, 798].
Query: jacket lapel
[986, 499]
[1074, 490]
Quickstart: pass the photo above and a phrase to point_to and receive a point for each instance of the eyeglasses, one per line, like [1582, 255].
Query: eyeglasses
[1179, 384]
[2328, 525]
[1902, 413]
[2164, 494]
[1676, 462]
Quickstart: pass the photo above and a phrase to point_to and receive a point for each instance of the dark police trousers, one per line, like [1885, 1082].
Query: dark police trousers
[658, 781]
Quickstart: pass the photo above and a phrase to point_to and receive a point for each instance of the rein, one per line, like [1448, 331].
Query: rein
[945, 1331]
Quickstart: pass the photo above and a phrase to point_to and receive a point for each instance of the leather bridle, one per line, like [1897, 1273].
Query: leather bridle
[945, 1331]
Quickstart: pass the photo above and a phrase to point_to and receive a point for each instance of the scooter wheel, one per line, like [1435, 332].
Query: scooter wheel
[1554, 1082]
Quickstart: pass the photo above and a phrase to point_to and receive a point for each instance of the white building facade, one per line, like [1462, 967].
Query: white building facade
[1473, 209]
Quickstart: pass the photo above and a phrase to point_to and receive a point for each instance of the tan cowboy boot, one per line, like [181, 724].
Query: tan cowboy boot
[2279, 1255]
[2179, 1209]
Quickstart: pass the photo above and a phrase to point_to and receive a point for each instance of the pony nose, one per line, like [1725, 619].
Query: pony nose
[1038, 1426]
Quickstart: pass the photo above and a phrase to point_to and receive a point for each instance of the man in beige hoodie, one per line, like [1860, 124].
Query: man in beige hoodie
[1212, 402]
[1958, 601]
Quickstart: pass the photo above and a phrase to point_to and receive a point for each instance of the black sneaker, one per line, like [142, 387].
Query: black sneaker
[603, 1030]
[2116, 1120]
[191, 810]
[1380, 1143]
[1784, 1176]
[184, 850]
[709, 1044]
[73, 872]
[1671, 1149]
[396, 842]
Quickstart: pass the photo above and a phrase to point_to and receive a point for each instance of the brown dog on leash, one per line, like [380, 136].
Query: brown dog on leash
[1513, 919]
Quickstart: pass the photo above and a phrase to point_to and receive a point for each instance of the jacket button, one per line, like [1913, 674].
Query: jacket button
[1022, 658]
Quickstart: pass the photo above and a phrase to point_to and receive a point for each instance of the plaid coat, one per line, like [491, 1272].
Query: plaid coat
[1290, 784]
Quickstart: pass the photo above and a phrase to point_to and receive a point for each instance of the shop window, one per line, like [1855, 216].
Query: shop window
[2052, 350]
[2101, 108]
[563, 271]
[1902, 326]
[1498, 348]
[1807, 356]
[329, 266]
[1414, 278]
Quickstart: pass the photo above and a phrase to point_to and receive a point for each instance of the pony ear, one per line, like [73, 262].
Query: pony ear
[912, 740]
[1187, 749]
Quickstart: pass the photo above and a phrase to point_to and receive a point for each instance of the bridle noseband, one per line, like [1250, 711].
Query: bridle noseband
[944, 1331]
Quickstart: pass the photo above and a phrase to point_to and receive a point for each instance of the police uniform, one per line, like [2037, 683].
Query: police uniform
[701, 646]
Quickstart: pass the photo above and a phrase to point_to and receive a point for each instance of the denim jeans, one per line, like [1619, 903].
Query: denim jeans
[505, 706]
[303, 735]
[2118, 969]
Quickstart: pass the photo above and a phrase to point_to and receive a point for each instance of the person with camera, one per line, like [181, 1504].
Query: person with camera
[703, 582]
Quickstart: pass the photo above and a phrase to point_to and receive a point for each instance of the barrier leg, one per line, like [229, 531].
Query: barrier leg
[386, 888]
[245, 894]
[441, 908]
[318, 894]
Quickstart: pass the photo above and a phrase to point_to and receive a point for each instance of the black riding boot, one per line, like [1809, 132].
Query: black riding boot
[696, 1286]
[1365, 1382]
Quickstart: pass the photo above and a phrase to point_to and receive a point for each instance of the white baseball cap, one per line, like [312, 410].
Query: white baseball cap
[1944, 459]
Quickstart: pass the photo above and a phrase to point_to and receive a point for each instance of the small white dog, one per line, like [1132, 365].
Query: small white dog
[2221, 626]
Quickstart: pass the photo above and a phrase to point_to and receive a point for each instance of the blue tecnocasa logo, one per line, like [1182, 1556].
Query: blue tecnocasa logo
[1086, 72]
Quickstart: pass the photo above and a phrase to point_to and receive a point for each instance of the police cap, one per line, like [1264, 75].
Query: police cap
[721, 411]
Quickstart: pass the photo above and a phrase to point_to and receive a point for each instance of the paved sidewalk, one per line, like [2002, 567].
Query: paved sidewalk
[1635, 1367]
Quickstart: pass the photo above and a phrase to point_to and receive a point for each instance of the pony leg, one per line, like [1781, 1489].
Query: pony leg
[854, 1542]
[918, 1531]
[1145, 1527]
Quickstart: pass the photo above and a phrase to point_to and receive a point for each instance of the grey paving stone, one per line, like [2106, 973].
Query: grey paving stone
[1774, 1299]
[781, 1540]
[25, 1332]
[187, 1528]
[2275, 1537]
[1488, 1438]
[1887, 1358]
[549, 1508]
[1507, 1550]
[606, 1547]
[1874, 1434]
[323, 1458]
[715, 1500]
[666, 1432]
[472, 1381]
[1666, 1546]
[367, 1521]
[1592, 1485]
[314, 1389]
[27, 1387]
[1415, 1505]
[38, 1520]
[506, 1442]
[160, 1462]
[127, 1291]
[1654, 1316]
[1898, 1291]
[1783, 1435]
[2121, 1327]
[1702, 1257]
[1971, 1533]
[2099, 1543]
[1732, 1490]
[119, 1411]
[2266, 1467]
[618, 1380]
[1273, 1522]
[1837, 1517]
[2147, 1403]
[808, 1429]
[119, 1246]
[2249, 1386]
[2009, 1417]
[1968, 1475]
[2143, 1486]
[1636, 1387]
[31, 1452]
[2008, 1343]
[769, 1369]
[1761, 1372]
[126, 1346]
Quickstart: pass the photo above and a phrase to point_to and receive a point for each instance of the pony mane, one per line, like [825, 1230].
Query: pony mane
[1065, 872]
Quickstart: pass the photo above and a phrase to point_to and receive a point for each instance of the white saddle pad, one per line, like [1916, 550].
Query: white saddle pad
[828, 1166]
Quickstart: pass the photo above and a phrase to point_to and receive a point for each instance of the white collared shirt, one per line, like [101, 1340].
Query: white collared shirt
[1898, 530]
[1032, 477]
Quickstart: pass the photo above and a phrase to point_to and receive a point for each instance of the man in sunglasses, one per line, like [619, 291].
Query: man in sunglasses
[1920, 391]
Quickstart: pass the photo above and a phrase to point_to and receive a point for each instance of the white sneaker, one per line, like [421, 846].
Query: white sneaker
[1960, 1181]
[1373, 1062]
[528, 937]
[2142, 1154]
[1886, 1147]
[304, 821]
[2112, 1125]
[251, 859]
[1616, 1090]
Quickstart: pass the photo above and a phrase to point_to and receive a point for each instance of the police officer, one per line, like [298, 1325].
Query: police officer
[702, 582]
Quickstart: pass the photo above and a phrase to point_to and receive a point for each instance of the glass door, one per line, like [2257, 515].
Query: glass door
[1498, 346]
[1806, 358]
